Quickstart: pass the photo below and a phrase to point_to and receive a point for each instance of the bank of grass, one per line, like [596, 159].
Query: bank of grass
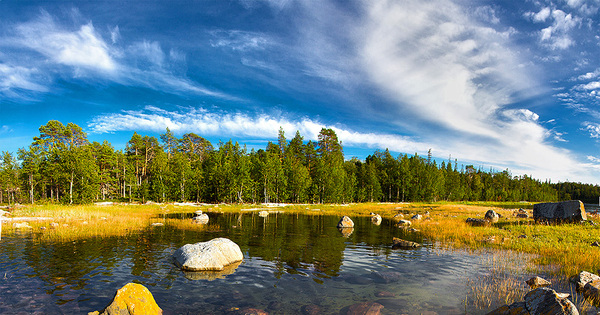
[562, 249]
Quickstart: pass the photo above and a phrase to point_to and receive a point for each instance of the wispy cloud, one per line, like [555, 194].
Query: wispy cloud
[239, 40]
[81, 48]
[84, 50]
[13, 79]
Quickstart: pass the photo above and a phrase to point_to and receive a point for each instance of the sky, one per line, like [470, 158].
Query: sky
[497, 84]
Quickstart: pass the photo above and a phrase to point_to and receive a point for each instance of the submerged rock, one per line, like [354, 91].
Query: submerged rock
[212, 255]
[556, 212]
[211, 275]
[345, 222]
[400, 243]
[365, 308]
[132, 299]
[311, 309]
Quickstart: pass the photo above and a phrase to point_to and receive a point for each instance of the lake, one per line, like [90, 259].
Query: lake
[291, 262]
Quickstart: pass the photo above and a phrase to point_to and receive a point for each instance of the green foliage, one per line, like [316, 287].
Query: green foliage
[62, 166]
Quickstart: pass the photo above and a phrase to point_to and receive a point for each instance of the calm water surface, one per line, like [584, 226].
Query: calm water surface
[290, 261]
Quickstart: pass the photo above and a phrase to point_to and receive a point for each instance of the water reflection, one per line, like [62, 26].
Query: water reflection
[290, 261]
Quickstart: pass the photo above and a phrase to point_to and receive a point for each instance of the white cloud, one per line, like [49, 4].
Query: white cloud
[590, 86]
[540, 16]
[115, 34]
[239, 40]
[16, 77]
[148, 51]
[557, 36]
[141, 64]
[593, 129]
[82, 48]
[590, 75]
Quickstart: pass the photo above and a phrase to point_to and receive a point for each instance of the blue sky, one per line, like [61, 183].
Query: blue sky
[497, 84]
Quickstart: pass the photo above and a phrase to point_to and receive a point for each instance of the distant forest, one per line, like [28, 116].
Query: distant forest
[61, 165]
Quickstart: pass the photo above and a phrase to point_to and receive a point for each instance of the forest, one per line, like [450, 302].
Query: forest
[62, 166]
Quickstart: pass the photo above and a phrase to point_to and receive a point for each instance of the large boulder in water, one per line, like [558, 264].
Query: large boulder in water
[345, 222]
[212, 255]
[565, 211]
[132, 299]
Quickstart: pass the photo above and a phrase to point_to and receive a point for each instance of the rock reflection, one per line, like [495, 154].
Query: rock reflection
[346, 232]
[211, 275]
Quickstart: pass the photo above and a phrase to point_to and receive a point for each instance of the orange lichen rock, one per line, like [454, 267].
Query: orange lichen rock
[132, 299]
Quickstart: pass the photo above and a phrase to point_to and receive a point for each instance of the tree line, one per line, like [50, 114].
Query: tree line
[61, 165]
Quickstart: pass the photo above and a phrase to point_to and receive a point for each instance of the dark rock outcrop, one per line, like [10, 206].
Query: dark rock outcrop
[557, 212]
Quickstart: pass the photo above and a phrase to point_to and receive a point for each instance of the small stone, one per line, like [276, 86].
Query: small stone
[376, 219]
[157, 224]
[537, 282]
[398, 217]
[345, 222]
[492, 216]
[404, 223]
[596, 244]
[416, 217]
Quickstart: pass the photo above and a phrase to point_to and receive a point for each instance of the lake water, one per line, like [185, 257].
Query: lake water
[290, 262]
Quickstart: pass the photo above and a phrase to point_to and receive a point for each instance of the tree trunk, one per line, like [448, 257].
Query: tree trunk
[31, 188]
[71, 189]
